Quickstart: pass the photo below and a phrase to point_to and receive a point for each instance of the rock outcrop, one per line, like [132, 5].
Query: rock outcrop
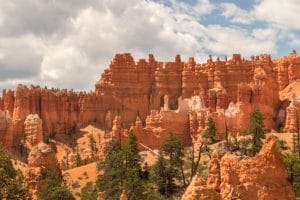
[5, 127]
[41, 158]
[130, 88]
[262, 177]
[33, 129]
[197, 190]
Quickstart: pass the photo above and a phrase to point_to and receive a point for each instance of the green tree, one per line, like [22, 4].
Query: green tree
[11, 180]
[169, 166]
[89, 192]
[52, 189]
[160, 174]
[92, 143]
[256, 125]
[296, 142]
[211, 129]
[122, 170]
[78, 160]
[112, 180]
[292, 163]
[133, 184]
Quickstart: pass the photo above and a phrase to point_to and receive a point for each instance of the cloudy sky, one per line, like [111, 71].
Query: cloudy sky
[68, 43]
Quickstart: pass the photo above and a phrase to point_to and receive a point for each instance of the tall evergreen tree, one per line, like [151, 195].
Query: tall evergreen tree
[134, 186]
[211, 129]
[169, 166]
[256, 126]
[11, 180]
[112, 180]
[160, 173]
[92, 143]
[292, 163]
[52, 188]
[122, 170]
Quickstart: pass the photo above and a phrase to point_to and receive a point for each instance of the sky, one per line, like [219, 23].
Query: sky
[68, 44]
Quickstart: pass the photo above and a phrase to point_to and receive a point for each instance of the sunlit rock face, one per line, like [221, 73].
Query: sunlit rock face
[33, 129]
[226, 90]
[262, 177]
[41, 159]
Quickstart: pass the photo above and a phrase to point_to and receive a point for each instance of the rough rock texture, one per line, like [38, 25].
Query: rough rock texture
[33, 129]
[261, 177]
[227, 89]
[5, 127]
[213, 179]
[41, 158]
[158, 125]
[197, 190]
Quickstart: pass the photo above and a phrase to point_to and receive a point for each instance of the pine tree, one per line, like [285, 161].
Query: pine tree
[134, 186]
[92, 143]
[11, 180]
[52, 189]
[112, 180]
[169, 166]
[292, 163]
[256, 130]
[296, 142]
[211, 129]
[78, 160]
[160, 173]
[122, 170]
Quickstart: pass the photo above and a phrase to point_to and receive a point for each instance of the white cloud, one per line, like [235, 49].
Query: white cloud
[204, 7]
[278, 14]
[282, 14]
[236, 14]
[226, 40]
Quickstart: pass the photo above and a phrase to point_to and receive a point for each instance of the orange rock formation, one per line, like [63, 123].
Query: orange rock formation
[197, 190]
[224, 90]
[262, 177]
[40, 159]
[33, 129]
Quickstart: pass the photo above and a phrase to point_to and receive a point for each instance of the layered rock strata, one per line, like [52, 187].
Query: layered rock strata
[130, 88]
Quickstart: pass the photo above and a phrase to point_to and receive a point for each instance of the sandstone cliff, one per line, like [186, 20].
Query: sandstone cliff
[228, 91]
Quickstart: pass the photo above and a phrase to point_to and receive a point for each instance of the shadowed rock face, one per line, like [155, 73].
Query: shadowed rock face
[131, 88]
[261, 177]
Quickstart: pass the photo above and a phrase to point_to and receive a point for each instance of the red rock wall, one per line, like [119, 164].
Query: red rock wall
[130, 89]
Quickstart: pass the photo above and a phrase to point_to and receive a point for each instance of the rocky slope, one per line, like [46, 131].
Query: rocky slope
[262, 177]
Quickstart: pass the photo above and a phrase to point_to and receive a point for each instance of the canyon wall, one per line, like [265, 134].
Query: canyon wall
[228, 89]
